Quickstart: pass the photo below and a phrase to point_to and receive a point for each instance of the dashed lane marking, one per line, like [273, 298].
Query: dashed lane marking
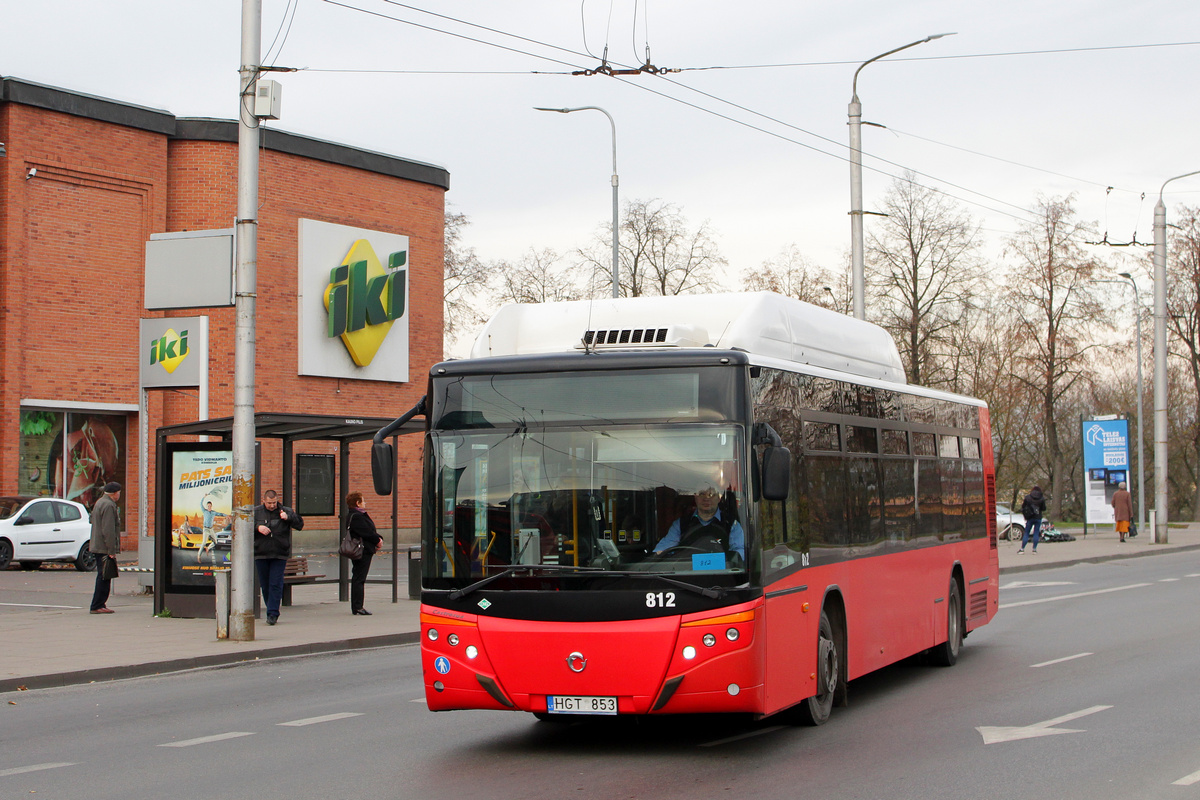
[297, 723]
[746, 735]
[1167, 580]
[34, 768]
[1070, 596]
[208, 739]
[1033, 584]
[1061, 660]
[1188, 780]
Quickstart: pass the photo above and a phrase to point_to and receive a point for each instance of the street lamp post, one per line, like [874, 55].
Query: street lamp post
[1137, 300]
[1160, 363]
[616, 292]
[856, 209]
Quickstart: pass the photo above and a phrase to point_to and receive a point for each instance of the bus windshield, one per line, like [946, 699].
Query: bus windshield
[579, 506]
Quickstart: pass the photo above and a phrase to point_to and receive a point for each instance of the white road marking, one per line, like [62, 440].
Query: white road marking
[1028, 584]
[297, 723]
[38, 605]
[1167, 580]
[206, 739]
[418, 700]
[34, 768]
[1192, 575]
[1061, 660]
[746, 735]
[993, 735]
[1070, 596]
[1186, 780]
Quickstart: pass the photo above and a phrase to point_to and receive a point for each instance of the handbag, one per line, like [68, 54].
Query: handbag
[108, 568]
[351, 547]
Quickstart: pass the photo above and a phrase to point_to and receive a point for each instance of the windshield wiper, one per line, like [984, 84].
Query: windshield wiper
[711, 592]
[468, 589]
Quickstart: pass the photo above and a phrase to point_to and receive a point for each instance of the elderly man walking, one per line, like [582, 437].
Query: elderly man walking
[106, 543]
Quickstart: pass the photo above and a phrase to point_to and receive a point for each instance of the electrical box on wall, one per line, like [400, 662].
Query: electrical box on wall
[266, 99]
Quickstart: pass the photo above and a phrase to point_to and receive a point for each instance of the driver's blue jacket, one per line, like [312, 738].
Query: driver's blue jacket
[737, 537]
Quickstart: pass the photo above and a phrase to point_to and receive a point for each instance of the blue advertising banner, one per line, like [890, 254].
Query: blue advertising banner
[1105, 464]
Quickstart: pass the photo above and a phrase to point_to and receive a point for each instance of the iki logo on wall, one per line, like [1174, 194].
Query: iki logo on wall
[355, 302]
[169, 349]
[363, 299]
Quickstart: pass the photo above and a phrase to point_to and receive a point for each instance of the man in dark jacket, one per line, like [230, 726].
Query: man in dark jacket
[1032, 508]
[273, 526]
[106, 542]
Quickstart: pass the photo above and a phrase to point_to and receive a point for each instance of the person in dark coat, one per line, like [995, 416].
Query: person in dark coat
[106, 542]
[1032, 508]
[361, 526]
[273, 526]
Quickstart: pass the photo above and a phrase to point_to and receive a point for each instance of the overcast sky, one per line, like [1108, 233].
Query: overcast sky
[1053, 97]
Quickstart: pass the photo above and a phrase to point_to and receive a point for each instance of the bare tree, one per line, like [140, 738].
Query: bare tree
[538, 276]
[465, 277]
[659, 253]
[793, 275]
[1183, 320]
[1054, 285]
[925, 273]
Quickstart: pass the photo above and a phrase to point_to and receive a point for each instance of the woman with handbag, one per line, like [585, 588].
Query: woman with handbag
[360, 527]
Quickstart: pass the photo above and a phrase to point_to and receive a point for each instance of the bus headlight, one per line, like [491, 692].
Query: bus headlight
[433, 634]
[472, 651]
[689, 652]
[732, 634]
[709, 640]
[452, 640]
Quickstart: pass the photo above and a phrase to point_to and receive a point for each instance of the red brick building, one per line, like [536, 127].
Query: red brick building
[84, 182]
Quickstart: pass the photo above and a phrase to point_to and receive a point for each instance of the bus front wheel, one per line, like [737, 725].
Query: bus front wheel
[816, 709]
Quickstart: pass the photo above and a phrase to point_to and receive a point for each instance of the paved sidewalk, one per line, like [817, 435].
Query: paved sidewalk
[49, 638]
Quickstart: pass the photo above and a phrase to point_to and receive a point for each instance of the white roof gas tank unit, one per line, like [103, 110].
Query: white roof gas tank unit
[761, 323]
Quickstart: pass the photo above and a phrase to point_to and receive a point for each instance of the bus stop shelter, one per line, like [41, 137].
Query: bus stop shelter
[289, 429]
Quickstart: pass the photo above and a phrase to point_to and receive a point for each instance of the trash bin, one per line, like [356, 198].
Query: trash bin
[414, 572]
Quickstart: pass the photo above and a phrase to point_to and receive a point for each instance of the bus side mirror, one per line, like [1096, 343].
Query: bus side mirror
[383, 463]
[776, 473]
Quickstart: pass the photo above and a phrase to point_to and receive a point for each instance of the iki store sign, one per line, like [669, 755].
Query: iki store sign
[353, 302]
[172, 351]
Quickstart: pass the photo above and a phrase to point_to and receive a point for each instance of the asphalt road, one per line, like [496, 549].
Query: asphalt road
[1082, 687]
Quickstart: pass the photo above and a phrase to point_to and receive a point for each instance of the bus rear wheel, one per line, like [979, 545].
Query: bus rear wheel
[816, 709]
[946, 654]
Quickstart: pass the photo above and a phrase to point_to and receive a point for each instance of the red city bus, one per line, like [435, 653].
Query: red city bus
[717, 503]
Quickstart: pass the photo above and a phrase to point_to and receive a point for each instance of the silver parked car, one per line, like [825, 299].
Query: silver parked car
[37, 529]
[1009, 525]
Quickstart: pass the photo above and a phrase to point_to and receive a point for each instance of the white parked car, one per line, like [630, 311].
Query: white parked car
[1010, 525]
[37, 529]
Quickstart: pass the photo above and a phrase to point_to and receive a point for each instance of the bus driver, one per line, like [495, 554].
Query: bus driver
[705, 530]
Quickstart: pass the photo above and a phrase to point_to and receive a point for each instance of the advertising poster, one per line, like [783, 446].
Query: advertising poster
[71, 454]
[201, 514]
[1105, 465]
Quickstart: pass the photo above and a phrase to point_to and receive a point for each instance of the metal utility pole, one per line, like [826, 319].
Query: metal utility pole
[1137, 302]
[616, 251]
[856, 209]
[241, 616]
[1160, 363]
